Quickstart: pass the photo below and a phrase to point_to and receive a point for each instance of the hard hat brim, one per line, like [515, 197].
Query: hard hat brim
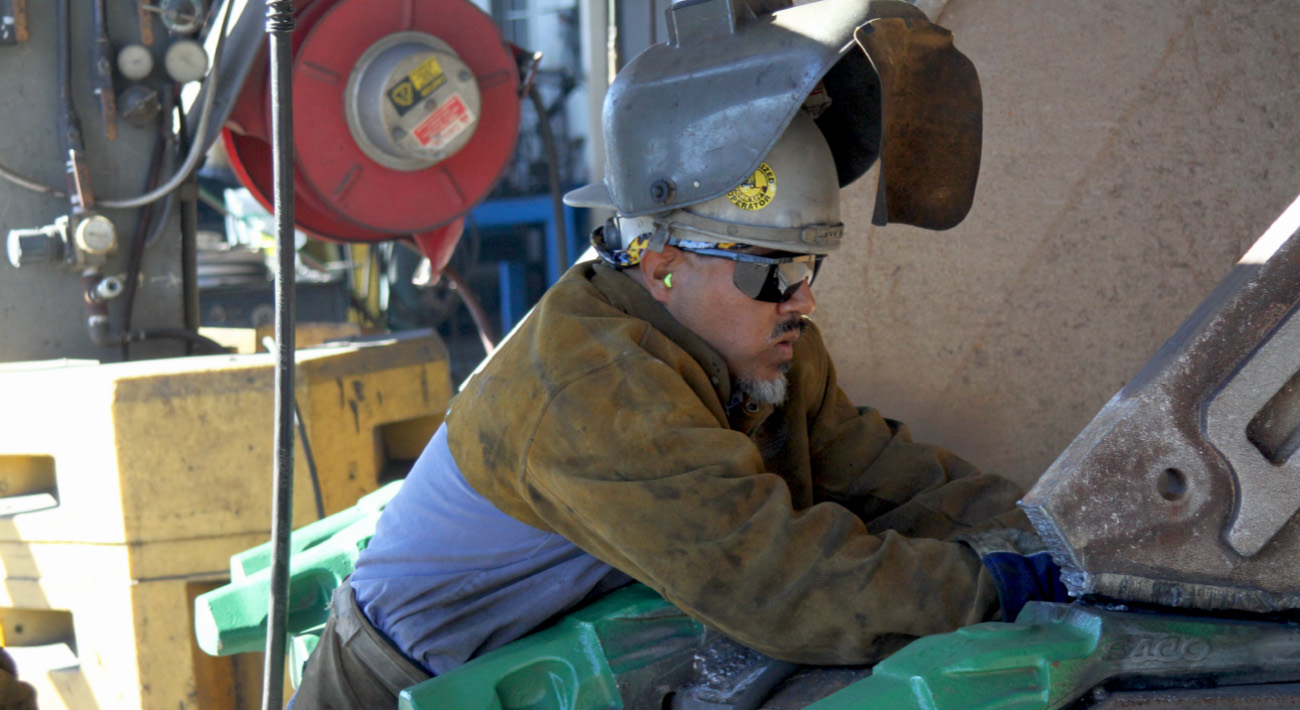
[593, 195]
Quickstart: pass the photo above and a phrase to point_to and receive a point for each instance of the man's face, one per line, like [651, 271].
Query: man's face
[755, 338]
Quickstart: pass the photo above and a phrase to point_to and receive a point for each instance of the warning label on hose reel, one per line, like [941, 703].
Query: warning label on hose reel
[445, 123]
[416, 86]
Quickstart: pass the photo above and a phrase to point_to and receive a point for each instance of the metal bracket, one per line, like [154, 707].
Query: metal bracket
[1182, 491]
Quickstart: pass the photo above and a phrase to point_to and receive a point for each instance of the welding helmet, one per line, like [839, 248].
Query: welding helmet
[789, 203]
[688, 121]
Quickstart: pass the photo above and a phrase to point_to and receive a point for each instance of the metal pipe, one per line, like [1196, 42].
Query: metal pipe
[279, 26]
[97, 324]
[101, 74]
[241, 45]
[78, 176]
[197, 149]
[552, 177]
[189, 199]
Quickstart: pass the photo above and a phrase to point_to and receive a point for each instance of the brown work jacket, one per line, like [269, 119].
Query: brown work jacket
[813, 532]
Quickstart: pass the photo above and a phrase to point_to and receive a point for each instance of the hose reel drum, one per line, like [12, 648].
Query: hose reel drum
[405, 115]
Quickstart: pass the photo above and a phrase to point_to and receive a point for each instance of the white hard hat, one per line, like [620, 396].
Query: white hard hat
[791, 202]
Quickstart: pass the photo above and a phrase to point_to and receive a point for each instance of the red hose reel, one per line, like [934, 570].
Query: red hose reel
[405, 114]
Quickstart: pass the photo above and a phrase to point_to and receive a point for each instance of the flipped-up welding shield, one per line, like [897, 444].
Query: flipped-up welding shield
[690, 119]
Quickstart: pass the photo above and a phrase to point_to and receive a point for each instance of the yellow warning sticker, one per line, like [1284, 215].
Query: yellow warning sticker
[416, 86]
[403, 94]
[427, 73]
[757, 192]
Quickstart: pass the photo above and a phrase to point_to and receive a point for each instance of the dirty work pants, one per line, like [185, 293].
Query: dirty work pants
[353, 666]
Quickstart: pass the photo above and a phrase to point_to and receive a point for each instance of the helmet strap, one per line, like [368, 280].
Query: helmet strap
[659, 237]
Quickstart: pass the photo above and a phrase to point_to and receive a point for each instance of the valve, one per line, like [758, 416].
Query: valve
[42, 245]
[87, 244]
[180, 17]
[108, 288]
[96, 235]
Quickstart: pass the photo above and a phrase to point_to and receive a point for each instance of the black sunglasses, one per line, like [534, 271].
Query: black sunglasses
[772, 279]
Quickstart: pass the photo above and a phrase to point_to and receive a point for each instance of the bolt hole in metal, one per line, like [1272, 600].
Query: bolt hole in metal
[1171, 484]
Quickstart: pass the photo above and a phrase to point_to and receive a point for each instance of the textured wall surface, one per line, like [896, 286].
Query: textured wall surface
[1133, 150]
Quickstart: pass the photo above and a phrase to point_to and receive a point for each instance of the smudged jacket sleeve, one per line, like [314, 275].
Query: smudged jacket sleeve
[813, 532]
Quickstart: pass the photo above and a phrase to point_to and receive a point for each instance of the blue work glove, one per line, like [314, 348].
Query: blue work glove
[1021, 568]
[1025, 578]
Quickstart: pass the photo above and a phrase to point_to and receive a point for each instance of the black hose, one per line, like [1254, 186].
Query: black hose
[61, 22]
[310, 459]
[30, 184]
[307, 455]
[135, 260]
[486, 334]
[189, 197]
[279, 26]
[188, 194]
[475, 307]
[552, 176]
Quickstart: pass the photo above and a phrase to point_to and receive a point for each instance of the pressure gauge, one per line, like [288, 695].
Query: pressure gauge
[135, 62]
[186, 61]
[182, 17]
[96, 235]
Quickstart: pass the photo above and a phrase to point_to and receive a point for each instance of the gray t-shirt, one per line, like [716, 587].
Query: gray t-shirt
[448, 576]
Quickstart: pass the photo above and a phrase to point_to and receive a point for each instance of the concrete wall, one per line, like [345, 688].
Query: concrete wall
[1133, 149]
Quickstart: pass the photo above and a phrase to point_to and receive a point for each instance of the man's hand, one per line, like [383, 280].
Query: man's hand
[14, 694]
[1021, 568]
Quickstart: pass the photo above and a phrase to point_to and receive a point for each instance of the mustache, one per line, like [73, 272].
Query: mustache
[795, 323]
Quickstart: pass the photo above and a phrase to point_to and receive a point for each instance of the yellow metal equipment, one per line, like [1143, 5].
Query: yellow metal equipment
[125, 489]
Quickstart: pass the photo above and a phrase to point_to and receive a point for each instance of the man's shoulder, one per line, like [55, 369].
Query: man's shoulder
[574, 329]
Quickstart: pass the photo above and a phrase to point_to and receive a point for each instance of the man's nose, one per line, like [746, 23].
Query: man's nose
[802, 302]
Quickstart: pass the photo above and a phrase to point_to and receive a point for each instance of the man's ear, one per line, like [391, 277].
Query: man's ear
[655, 266]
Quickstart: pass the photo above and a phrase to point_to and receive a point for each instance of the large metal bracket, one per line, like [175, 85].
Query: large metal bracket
[1183, 491]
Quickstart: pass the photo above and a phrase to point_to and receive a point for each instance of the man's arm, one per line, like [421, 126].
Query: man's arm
[659, 490]
[870, 465]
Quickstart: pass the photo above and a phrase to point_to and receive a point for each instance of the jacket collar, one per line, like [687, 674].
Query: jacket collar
[630, 297]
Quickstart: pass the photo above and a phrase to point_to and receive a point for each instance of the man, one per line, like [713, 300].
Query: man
[669, 414]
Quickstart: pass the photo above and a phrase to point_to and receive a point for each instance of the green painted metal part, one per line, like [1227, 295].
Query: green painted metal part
[1056, 653]
[232, 619]
[630, 645]
[256, 559]
[631, 648]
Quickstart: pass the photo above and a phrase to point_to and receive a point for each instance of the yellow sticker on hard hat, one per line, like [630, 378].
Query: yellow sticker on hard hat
[757, 192]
